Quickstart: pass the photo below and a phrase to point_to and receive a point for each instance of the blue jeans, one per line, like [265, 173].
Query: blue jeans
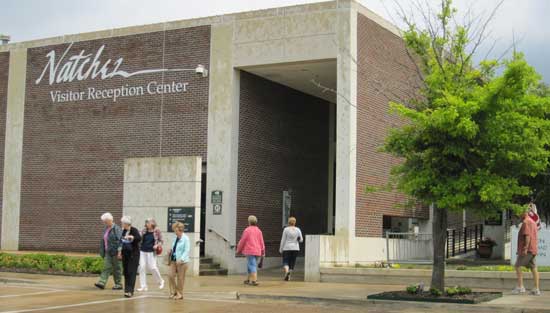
[252, 264]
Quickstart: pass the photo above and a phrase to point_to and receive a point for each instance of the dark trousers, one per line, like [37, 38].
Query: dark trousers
[130, 264]
[289, 258]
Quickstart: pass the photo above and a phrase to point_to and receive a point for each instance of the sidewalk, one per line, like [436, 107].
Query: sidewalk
[274, 289]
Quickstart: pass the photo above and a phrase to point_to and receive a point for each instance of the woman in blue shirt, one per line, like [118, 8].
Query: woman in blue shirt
[179, 259]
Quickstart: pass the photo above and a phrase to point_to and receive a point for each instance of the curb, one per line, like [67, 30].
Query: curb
[452, 307]
[251, 296]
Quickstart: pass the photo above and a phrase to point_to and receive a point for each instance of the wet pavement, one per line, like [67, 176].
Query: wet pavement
[21, 293]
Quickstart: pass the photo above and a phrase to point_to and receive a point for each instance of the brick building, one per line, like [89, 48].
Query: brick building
[286, 101]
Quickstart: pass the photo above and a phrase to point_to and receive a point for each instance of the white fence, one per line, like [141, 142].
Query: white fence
[543, 256]
[414, 248]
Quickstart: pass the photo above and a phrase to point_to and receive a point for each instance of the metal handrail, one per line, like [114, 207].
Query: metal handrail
[232, 246]
[463, 240]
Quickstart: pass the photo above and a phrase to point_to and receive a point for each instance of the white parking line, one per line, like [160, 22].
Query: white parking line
[25, 286]
[29, 294]
[57, 307]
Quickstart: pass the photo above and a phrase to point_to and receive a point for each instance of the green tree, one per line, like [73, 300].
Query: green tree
[540, 184]
[472, 135]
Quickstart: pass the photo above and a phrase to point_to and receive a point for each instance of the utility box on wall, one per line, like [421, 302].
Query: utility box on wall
[166, 189]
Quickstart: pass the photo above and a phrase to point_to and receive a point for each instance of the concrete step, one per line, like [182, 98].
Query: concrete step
[213, 272]
[208, 266]
[205, 260]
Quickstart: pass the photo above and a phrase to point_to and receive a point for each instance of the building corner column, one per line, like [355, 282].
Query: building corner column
[13, 153]
[346, 121]
[222, 159]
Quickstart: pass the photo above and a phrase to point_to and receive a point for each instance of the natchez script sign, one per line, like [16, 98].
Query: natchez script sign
[83, 66]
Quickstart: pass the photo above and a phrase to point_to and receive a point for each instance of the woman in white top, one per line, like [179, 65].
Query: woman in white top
[290, 246]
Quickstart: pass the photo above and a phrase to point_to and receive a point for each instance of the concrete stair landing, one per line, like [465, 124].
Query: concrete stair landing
[209, 268]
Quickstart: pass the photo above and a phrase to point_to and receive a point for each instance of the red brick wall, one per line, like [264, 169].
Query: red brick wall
[283, 142]
[384, 71]
[4, 70]
[73, 152]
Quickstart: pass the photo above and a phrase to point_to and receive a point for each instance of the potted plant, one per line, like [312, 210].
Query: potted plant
[485, 247]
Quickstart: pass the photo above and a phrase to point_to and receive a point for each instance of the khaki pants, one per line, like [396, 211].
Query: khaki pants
[176, 278]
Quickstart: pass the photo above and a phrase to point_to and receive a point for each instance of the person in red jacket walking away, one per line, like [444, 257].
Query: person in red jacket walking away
[252, 246]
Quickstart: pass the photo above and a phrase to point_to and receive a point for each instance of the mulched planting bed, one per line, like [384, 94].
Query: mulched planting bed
[472, 298]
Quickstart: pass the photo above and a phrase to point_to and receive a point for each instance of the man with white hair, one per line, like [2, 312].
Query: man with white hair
[111, 252]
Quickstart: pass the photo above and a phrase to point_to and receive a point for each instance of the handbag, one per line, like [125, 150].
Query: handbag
[127, 246]
[158, 250]
[261, 263]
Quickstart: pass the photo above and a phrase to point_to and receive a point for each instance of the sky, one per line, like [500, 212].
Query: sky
[524, 22]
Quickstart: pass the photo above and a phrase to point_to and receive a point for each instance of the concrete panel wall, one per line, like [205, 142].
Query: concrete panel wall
[13, 155]
[329, 251]
[286, 35]
[4, 71]
[222, 147]
[152, 185]
[346, 121]
[292, 34]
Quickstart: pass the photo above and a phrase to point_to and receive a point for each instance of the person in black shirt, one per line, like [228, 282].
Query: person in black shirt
[130, 254]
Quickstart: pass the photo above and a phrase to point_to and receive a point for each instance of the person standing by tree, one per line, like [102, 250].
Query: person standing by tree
[527, 251]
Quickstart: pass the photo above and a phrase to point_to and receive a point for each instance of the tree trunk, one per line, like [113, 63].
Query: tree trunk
[439, 232]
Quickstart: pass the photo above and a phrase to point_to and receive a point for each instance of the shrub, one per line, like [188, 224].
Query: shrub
[463, 290]
[57, 263]
[457, 290]
[451, 291]
[435, 292]
[93, 265]
[412, 289]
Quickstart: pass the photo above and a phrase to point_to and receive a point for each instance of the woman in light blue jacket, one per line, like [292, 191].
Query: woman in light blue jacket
[179, 259]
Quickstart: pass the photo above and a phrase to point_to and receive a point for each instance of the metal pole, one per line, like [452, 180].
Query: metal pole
[465, 239]
[448, 242]
[388, 247]
[475, 241]
[454, 233]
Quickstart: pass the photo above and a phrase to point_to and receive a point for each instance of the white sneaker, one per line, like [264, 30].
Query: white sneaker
[535, 292]
[142, 289]
[518, 291]
[161, 286]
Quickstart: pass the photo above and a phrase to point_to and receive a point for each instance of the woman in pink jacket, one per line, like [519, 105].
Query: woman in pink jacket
[252, 246]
